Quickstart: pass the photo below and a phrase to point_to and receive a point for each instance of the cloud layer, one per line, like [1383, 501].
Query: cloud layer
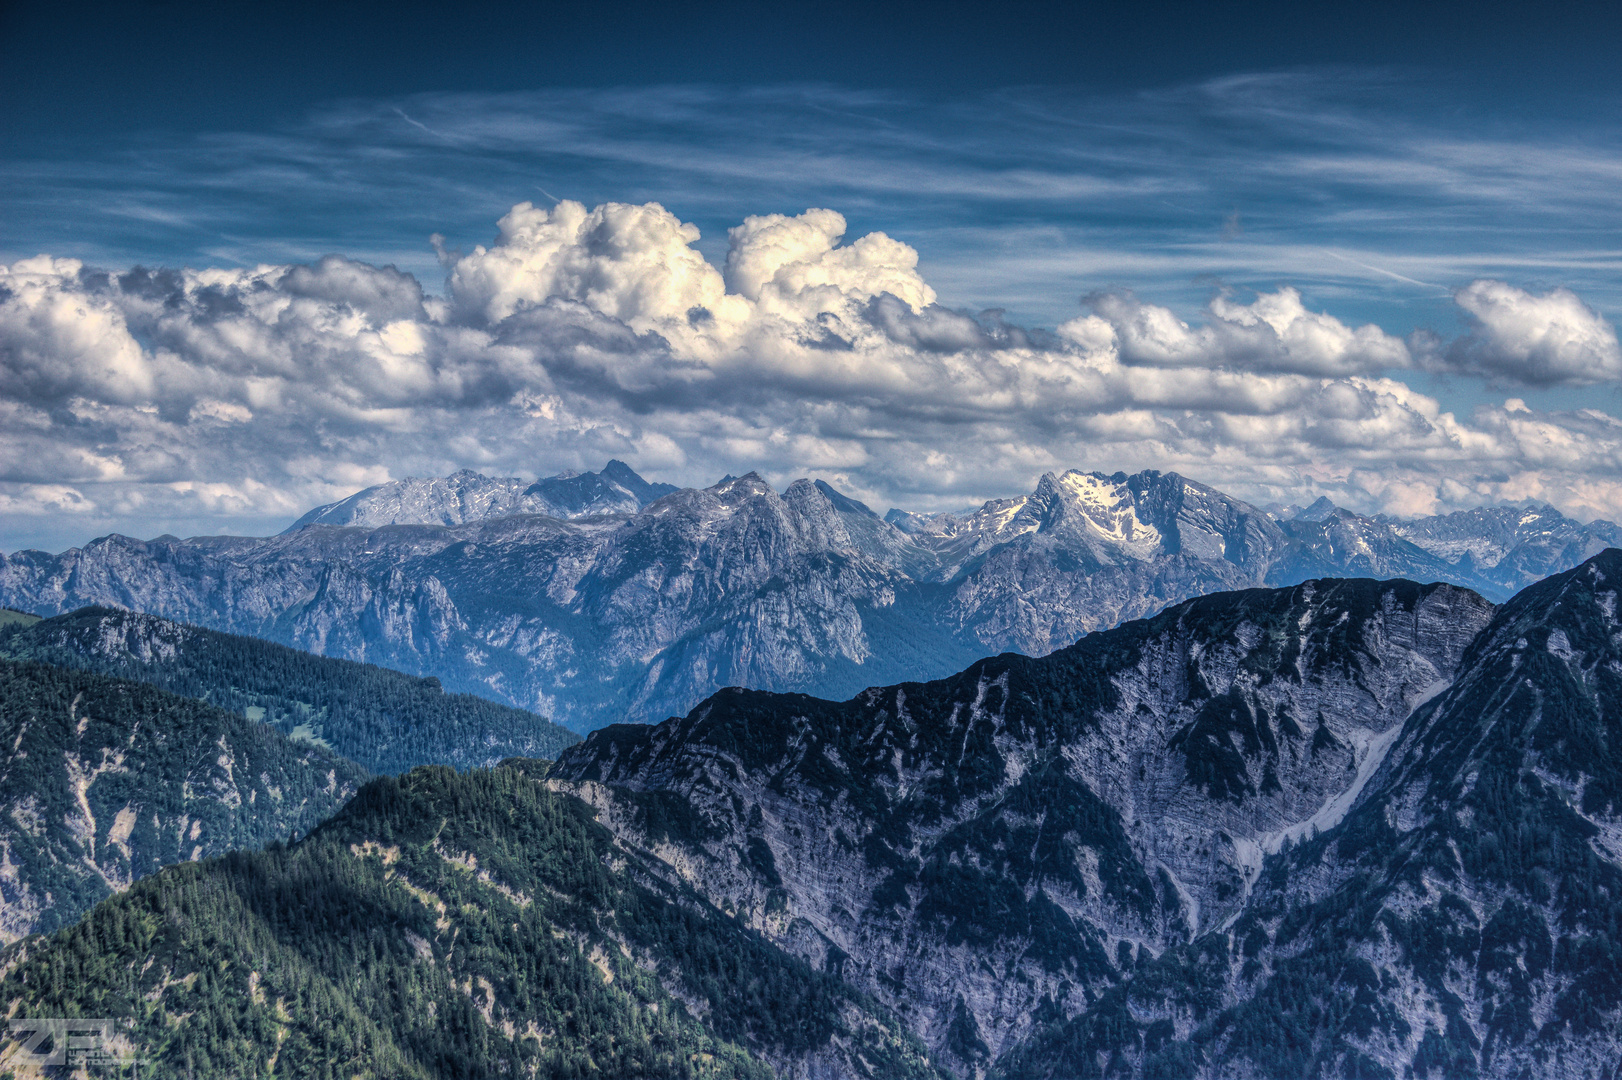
[198, 399]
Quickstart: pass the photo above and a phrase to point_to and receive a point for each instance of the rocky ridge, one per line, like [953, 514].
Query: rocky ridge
[1021, 832]
[466, 496]
[1344, 829]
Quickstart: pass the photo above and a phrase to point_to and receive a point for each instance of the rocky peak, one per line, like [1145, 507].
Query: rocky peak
[446, 500]
[617, 489]
[1096, 509]
[1319, 509]
[1202, 522]
[626, 477]
[737, 488]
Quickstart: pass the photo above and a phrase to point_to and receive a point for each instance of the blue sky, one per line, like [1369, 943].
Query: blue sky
[1374, 160]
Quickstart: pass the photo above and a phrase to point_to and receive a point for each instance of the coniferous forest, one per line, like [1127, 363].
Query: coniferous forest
[383, 720]
[1351, 828]
[444, 925]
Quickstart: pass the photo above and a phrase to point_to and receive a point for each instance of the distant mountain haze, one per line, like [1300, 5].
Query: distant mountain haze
[601, 597]
[469, 496]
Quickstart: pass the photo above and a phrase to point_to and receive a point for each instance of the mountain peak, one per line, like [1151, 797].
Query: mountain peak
[1321, 508]
[842, 502]
[466, 496]
[628, 478]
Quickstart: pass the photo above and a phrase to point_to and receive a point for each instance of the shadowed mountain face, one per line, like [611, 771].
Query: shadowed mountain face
[1347, 829]
[1467, 915]
[1022, 832]
[593, 617]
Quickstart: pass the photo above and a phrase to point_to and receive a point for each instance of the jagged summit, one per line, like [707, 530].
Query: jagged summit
[1320, 508]
[1343, 829]
[617, 489]
[843, 503]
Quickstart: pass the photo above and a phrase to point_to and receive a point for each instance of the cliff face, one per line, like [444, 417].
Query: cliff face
[1464, 917]
[1021, 836]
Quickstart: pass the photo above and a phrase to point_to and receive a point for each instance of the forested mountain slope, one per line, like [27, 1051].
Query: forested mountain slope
[385, 721]
[105, 780]
[448, 925]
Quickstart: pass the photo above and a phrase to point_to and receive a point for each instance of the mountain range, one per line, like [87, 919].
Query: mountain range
[600, 597]
[1346, 828]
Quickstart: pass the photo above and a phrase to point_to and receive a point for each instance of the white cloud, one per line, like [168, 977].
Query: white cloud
[1275, 332]
[190, 400]
[1550, 340]
[60, 340]
[632, 263]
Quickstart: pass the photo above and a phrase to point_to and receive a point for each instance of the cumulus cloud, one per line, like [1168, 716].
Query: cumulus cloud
[193, 399]
[59, 340]
[1275, 332]
[1553, 339]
